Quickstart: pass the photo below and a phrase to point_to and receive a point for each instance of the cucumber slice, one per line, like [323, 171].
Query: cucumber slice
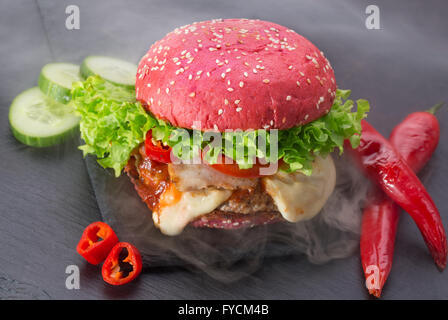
[55, 80]
[114, 70]
[39, 121]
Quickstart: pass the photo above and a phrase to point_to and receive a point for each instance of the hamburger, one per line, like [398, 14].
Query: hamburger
[257, 84]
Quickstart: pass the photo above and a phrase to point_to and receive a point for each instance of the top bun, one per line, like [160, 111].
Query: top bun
[235, 74]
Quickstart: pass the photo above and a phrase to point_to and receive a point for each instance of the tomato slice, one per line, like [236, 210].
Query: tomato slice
[232, 169]
[157, 152]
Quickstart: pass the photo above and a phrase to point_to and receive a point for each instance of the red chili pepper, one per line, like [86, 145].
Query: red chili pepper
[123, 264]
[383, 164]
[157, 152]
[415, 138]
[96, 242]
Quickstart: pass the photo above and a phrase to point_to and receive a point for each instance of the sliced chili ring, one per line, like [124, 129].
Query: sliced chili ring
[122, 265]
[96, 242]
[157, 151]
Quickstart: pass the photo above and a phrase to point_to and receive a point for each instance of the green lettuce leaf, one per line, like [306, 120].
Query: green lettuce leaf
[113, 124]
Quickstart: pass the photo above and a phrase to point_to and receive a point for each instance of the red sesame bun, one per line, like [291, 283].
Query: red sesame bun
[235, 74]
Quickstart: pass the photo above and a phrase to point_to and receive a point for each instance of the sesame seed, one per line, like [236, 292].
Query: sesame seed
[241, 84]
[288, 98]
[306, 116]
[298, 83]
[308, 80]
[215, 127]
[246, 74]
[226, 102]
[190, 77]
[230, 89]
[228, 70]
[237, 101]
[290, 67]
[192, 94]
[223, 75]
[301, 73]
[254, 70]
[266, 81]
[238, 109]
[167, 90]
[220, 111]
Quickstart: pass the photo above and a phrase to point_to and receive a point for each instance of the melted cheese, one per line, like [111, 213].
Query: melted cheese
[176, 209]
[300, 197]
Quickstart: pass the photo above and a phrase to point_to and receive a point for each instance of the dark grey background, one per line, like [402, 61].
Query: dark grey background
[45, 195]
